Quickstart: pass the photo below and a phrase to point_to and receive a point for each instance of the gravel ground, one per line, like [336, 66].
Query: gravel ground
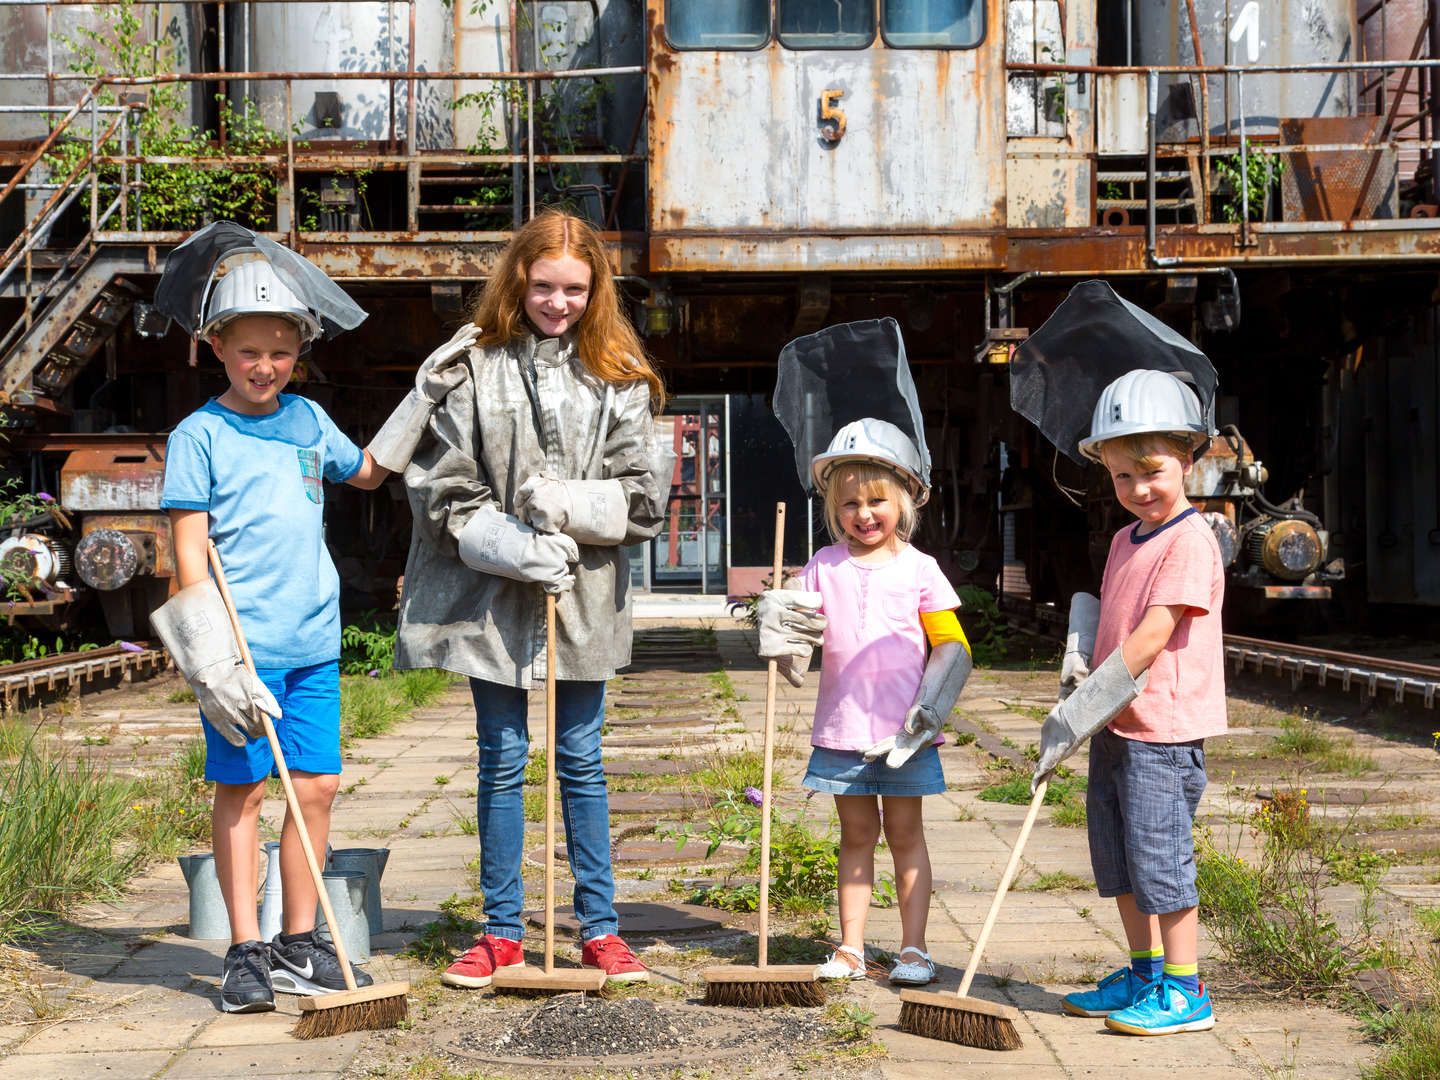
[574, 1026]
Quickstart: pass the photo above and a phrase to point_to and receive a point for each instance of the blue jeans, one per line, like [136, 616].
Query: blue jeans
[503, 740]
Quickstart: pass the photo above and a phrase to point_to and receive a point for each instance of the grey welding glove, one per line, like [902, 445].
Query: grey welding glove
[195, 627]
[394, 444]
[500, 544]
[790, 627]
[945, 674]
[1095, 702]
[589, 511]
[1079, 642]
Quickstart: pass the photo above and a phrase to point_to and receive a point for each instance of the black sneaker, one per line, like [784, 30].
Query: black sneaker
[306, 964]
[245, 986]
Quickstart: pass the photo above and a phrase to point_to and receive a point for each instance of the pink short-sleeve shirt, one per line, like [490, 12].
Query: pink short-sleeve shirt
[874, 645]
[1179, 563]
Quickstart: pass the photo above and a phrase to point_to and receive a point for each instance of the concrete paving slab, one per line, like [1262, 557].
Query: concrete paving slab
[84, 1066]
[287, 1059]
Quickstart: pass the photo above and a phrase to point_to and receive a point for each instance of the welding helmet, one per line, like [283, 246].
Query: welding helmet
[875, 442]
[1142, 402]
[253, 288]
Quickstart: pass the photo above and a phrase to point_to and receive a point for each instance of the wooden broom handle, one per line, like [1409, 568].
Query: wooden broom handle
[549, 783]
[771, 671]
[290, 798]
[1035, 802]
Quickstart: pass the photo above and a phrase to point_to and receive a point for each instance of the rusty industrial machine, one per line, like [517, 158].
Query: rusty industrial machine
[1263, 183]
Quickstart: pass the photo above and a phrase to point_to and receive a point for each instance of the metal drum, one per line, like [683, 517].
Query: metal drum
[345, 37]
[37, 40]
[1239, 32]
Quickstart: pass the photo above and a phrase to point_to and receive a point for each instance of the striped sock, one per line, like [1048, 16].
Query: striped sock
[1187, 975]
[1147, 963]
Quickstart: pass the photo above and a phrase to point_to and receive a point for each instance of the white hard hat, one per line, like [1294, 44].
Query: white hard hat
[253, 288]
[877, 442]
[1142, 402]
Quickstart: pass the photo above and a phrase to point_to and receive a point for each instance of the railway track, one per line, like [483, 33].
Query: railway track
[1379, 677]
[72, 671]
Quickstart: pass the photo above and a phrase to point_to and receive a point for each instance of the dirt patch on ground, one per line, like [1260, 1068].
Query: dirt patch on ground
[634, 1035]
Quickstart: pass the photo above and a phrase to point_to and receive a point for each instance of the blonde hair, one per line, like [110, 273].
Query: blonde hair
[609, 347]
[870, 479]
[1144, 449]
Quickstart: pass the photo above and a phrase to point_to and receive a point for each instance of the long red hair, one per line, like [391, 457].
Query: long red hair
[609, 347]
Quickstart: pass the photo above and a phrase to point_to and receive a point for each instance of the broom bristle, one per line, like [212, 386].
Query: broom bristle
[958, 1024]
[384, 1012]
[759, 995]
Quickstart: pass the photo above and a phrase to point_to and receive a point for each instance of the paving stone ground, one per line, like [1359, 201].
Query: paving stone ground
[139, 996]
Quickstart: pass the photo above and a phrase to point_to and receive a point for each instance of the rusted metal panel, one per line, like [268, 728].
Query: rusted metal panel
[1336, 185]
[1047, 192]
[115, 478]
[923, 150]
[801, 253]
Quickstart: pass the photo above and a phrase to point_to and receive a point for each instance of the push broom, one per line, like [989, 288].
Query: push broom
[519, 976]
[966, 1020]
[354, 1008]
[761, 985]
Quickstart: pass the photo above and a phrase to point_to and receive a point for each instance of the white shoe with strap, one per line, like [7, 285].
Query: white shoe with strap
[838, 967]
[919, 970]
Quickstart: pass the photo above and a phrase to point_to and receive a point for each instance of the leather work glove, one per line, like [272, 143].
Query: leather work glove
[1095, 702]
[588, 511]
[945, 674]
[496, 543]
[195, 627]
[1079, 642]
[790, 626]
[394, 444]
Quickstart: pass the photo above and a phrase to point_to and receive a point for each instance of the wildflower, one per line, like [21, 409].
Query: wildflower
[374, 673]
[44, 496]
[130, 646]
[754, 795]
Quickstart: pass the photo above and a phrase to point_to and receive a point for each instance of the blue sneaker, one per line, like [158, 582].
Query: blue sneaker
[1116, 991]
[1164, 1008]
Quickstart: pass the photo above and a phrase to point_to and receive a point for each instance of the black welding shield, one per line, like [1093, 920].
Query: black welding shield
[1094, 337]
[190, 275]
[853, 371]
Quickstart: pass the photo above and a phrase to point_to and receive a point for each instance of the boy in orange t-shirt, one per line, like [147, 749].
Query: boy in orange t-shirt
[1156, 694]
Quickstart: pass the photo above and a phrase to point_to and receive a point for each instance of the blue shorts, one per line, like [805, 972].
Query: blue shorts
[1140, 805]
[846, 772]
[308, 728]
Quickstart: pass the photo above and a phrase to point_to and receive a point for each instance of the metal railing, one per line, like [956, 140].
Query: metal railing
[1233, 140]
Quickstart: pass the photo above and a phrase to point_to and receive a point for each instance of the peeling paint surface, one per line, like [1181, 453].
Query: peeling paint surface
[736, 141]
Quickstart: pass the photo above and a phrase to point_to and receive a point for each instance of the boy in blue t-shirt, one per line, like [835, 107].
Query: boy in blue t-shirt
[245, 470]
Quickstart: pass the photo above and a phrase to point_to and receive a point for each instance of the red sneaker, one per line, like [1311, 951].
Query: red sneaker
[614, 957]
[474, 968]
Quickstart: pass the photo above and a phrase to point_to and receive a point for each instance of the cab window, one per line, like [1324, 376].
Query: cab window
[933, 24]
[826, 24]
[704, 24]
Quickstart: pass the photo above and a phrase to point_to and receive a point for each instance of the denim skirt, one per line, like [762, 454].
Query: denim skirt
[846, 772]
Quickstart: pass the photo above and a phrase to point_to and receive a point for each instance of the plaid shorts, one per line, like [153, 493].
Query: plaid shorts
[1141, 805]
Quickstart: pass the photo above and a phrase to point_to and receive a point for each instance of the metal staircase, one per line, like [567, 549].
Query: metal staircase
[72, 304]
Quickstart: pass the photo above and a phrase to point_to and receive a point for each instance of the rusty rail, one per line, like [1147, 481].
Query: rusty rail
[1327, 668]
[75, 669]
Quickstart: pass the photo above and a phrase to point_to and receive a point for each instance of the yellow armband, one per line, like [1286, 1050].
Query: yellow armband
[943, 626]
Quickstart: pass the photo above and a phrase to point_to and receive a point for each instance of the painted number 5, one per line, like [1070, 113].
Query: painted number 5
[832, 118]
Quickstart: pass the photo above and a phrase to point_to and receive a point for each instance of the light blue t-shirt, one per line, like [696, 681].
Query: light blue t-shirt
[260, 480]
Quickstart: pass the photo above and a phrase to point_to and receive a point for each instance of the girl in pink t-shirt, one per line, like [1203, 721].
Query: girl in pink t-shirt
[880, 705]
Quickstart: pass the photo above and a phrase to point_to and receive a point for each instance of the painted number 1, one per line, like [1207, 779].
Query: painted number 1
[832, 118]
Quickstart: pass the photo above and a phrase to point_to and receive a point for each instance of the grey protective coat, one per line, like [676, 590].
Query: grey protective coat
[524, 407]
